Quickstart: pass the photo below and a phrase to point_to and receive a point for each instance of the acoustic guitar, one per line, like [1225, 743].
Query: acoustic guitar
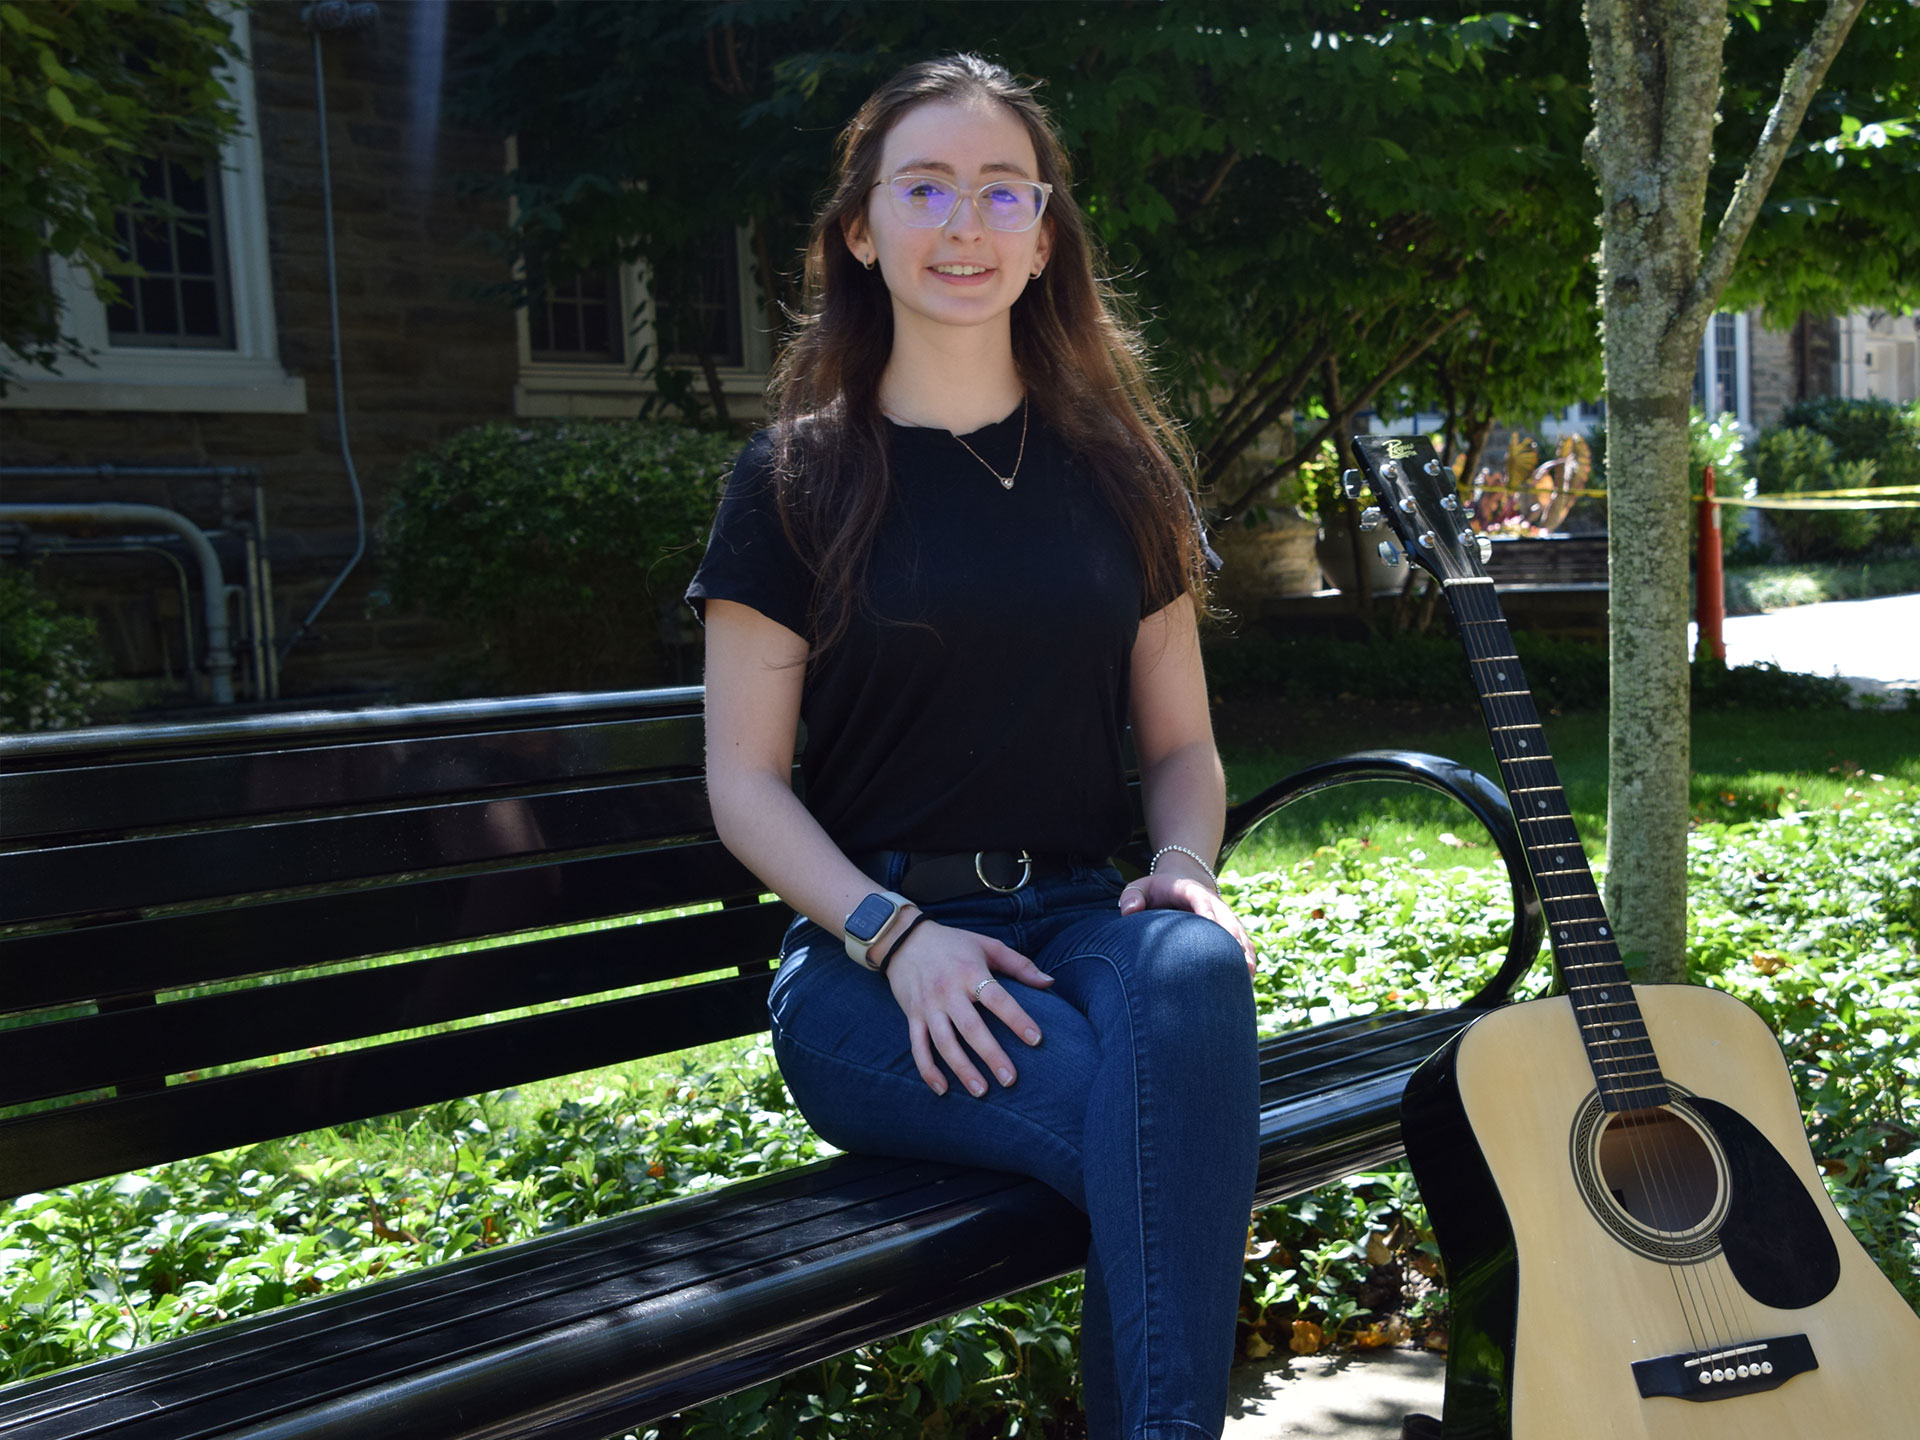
[1636, 1238]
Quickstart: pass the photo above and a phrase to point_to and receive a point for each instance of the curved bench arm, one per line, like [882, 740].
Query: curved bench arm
[1483, 800]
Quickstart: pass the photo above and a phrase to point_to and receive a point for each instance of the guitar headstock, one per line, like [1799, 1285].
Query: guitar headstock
[1420, 502]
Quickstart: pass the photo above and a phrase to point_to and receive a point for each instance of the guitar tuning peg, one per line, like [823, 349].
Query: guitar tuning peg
[1391, 469]
[1388, 553]
[1448, 502]
[1427, 540]
[1408, 504]
[1466, 537]
[1351, 482]
[1432, 467]
[1371, 518]
[1486, 549]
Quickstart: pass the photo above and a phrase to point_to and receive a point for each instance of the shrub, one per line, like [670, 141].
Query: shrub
[48, 659]
[1876, 430]
[1789, 460]
[561, 547]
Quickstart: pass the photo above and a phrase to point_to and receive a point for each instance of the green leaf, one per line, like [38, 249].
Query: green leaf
[61, 106]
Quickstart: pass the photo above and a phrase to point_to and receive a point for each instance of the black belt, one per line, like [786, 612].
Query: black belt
[932, 876]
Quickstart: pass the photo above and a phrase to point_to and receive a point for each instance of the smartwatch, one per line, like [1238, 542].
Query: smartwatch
[869, 920]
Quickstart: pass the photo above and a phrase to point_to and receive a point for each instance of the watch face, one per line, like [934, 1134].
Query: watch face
[868, 916]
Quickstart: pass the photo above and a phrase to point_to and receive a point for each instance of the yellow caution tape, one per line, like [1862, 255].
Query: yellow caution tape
[1885, 497]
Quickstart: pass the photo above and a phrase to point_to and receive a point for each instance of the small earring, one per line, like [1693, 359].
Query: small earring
[1036, 272]
[867, 263]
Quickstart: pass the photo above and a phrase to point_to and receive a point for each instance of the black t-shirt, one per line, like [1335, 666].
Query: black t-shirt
[978, 700]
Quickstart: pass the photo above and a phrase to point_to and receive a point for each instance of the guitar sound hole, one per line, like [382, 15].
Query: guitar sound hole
[1660, 1170]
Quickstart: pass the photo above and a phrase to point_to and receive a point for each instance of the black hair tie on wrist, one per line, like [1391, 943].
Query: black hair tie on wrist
[894, 949]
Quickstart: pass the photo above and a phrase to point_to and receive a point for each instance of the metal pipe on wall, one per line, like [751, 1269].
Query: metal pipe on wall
[213, 580]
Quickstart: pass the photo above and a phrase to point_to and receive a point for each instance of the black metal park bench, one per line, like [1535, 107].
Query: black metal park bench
[182, 900]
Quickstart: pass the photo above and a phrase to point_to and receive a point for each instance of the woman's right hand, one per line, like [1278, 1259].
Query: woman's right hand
[941, 977]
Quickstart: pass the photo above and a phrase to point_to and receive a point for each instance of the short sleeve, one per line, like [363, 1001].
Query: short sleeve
[1157, 601]
[749, 559]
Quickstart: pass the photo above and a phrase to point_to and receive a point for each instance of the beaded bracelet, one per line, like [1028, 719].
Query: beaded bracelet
[1164, 849]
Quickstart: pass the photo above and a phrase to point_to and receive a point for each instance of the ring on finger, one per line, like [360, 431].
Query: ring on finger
[990, 980]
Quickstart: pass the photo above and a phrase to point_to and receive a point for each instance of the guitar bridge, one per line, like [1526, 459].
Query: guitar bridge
[1723, 1374]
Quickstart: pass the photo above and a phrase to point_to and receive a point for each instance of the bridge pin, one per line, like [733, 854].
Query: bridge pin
[1744, 1372]
[1766, 1367]
[1706, 1377]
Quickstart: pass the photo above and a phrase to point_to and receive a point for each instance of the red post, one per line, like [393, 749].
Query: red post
[1709, 583]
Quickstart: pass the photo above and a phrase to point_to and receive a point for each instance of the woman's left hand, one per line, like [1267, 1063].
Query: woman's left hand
[1168, 891]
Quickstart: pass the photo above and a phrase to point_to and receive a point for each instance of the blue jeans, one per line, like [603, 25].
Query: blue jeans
[1140, 1105]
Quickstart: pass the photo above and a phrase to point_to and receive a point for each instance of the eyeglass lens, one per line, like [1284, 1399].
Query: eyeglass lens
[926, 201]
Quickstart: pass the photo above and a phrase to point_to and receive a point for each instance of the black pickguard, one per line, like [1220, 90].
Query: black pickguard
[1774, 1238]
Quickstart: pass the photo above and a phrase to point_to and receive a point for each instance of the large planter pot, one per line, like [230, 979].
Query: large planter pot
[1269, 560]
[1334, 550]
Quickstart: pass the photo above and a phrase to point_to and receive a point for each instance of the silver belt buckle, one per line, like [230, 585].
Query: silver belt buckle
[1026, 874]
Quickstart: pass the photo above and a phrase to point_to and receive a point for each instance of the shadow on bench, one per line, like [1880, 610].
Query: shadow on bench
[144, 865]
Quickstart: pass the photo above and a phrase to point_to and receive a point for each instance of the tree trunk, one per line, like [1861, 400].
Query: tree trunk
[1656, 85]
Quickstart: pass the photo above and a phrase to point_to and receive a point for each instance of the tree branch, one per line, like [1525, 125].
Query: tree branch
[1227, 448]
[1409, 352]
[1803, 78]
[1227, 162]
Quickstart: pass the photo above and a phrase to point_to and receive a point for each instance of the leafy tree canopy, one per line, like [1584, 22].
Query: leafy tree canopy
[1303, 198]
[1837, 229]
[1318, 208]
[89, 90]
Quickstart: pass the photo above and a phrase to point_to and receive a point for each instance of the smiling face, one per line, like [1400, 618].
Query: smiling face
[962, 273]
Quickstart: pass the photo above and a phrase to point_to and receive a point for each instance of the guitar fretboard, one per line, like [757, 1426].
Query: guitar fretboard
[1625, 1070]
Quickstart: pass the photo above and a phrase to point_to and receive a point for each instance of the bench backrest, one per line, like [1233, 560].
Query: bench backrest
[210, 934]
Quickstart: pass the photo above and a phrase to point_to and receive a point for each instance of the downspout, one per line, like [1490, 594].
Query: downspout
[334, 15]
[213, 582]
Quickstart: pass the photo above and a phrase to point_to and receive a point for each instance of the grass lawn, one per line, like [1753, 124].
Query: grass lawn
[1745, 764]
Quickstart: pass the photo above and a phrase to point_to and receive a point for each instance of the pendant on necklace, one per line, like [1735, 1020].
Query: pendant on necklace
[1006, 481]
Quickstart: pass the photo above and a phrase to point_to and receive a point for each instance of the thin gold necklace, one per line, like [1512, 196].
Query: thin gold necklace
[1006, 481]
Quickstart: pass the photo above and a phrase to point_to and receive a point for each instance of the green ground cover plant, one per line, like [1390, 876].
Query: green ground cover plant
[1808, 908]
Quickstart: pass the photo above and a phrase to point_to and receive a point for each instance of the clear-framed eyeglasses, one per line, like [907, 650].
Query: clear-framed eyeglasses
[927, 201]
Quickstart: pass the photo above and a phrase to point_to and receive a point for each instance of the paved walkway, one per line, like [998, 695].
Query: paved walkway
[1874, 645]
[1341, 1397]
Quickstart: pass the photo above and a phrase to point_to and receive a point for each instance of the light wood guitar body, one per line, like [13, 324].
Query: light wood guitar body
[1583, 1307]
[1637, 1243]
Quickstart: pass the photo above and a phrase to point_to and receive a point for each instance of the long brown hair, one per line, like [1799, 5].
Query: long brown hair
[1082, 366]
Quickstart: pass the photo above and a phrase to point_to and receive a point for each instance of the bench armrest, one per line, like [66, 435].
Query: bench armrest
[1482, 799]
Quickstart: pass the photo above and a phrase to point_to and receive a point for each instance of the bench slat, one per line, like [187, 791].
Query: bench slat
[144, 794]
[83, 1142]
[179, 1036]
[206, 865]
[139, 957]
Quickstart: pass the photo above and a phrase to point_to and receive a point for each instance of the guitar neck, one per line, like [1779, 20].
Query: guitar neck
[1625, 1070]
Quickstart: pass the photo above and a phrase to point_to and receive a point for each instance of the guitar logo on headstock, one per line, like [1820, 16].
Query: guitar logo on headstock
[1419, 500]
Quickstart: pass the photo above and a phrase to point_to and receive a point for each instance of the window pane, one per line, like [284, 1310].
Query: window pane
[156, 306]
[184, 297]
[713, 327]
[199, 308]
[579, 320]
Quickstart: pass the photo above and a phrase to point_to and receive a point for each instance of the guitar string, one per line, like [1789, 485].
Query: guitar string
[1611, 1062]
[1507, 707]
[1508, 704]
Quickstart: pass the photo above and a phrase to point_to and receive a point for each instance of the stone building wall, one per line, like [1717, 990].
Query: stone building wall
[1773, 372]
[423, 358]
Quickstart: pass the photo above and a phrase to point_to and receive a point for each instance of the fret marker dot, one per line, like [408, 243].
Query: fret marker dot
[1559, 859]
[1603, 929]
[1563, 934]
[1500, 675]
[1523, 744]
[1616, 1032]
[1604, 994]
[1543, 804]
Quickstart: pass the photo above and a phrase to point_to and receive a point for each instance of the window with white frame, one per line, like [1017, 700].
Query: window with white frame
[197, 330]
[587, 343]
[1721, 382]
